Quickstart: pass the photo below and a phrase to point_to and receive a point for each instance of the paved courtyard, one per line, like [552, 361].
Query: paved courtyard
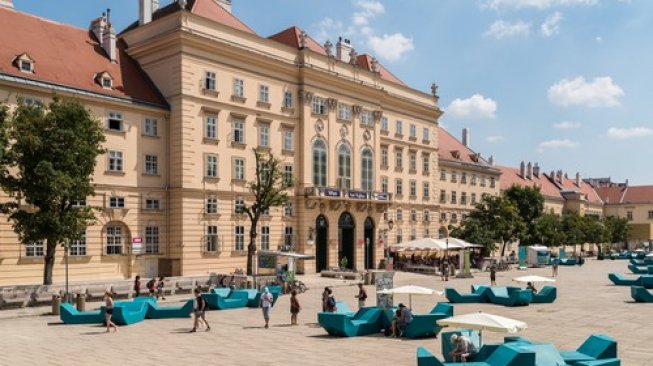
[587, 303]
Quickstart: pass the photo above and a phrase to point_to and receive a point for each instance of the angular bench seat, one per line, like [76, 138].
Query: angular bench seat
[366, 321]
[70, 315]
[546, 295]
[510, 296]
[155, 311]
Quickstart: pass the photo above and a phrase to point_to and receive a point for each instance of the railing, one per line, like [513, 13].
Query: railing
[347, 194]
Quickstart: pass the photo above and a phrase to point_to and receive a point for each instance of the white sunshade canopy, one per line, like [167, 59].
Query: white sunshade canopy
[428, 244]
[526, 279]
[463, 243]
[410, 290]
[482, 321]
[650, 255]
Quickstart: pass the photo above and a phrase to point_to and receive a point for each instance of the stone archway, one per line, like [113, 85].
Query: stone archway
[369, 243]
[321, 243]
[346, 239]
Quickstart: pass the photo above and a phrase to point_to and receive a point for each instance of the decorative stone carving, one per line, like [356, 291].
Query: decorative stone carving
[377, 115]
[305, 97]
[332, 103]
[356, 110]
[344, 131]
[434, 91]
[335, 205]
[328, 48]
[302, 40]
[310, 204]
[319, 126]
[353, 57]
[367, 136]
[322, 207]
[374, 65]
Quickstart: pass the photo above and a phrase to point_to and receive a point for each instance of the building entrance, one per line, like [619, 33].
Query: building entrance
[321, 244]
[346, 229]
[369, 243]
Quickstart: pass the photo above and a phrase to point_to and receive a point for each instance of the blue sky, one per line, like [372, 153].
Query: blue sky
[565, 83]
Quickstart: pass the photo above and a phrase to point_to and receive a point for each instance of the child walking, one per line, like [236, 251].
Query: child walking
[294, 307]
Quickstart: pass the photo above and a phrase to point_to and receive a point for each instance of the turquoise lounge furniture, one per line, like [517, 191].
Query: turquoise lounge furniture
[510, 296]
[218, 301]
[128, 312]
[605, 362]
[478, 295]
[567, 262]
[423, 325]
[640, 294]
[343, 308]
[155, 311]
[642, 262]
[367, 320]
[640, 269]
[70, 315]
[503, 355]
[253, 298]
[596, 347]
[621, 280]
[546, 295]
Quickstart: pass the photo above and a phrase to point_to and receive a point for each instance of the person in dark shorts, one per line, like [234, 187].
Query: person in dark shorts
[160, 289]
[108, 306]
[151, 287]
[362, 296]
[199, 311]
[493, 275]
[294, 307]
[137, 286]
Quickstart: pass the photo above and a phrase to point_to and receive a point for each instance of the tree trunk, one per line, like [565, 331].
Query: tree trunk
[251, 248]
[503, 248]
[49, 263]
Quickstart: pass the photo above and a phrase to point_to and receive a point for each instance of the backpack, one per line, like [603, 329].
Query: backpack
[331, 303]
[150, 285]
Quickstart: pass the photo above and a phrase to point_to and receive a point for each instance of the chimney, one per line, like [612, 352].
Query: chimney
[226, 4]
[145, 11]
[522, 169]
[7, 4]
[536, 170]
[182, 4]
[490, 160]
[343, 50]
[529, 171]
[97, 27]
[578, 179]
[559, 176]
[466, 137]
[109, 39]
[552, 175]
[155, 5]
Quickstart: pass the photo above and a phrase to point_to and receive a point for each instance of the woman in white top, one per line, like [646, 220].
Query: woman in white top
[108, 305]
[266, 304]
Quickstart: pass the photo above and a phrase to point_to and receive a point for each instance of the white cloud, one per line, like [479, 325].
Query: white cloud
[368, 10]
[628, 133]
[600, 92]
[539, 4]
[551, 25]
[567, 125]
[391, 46]
[474, 107]
[557, 144]
[494, 139]
[502, 29]
[599, 39]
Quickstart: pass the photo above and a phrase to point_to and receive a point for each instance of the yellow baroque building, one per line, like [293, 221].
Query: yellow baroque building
[186, 95]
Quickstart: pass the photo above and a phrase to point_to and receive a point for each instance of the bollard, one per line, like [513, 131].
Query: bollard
[56, 302]
[80, 302]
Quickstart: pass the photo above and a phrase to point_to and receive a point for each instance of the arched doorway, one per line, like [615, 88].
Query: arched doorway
[346, 230]
[369, 243]
[443, 232]
[321, 243]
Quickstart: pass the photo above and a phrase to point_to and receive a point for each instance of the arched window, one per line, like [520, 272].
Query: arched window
[319, 164]
[367, 170]
[344, 167]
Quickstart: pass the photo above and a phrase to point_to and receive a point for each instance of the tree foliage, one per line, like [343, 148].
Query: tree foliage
[617, 229]
[269, 190]
[530, 205]
[46, 168]
[549, 230]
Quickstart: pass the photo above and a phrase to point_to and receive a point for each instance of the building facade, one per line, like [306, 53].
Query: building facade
[187, 94]
[634, 203]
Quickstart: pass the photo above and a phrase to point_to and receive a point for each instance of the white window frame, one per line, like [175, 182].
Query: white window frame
[367, 170]
[264, 136]
[399, 127]
[151, 205]
[239, 131]
[152, 240]
[116, 202]
[239, 205]
[210, 80]
[344, 166]
[288, 237]
[264, 93]
[29, 69]
[211, 127]
[151, 127]
[151, 164]
[115, 117]
[344, 112]
[239, 169]
[399, 159]
[384, 156]
[412, 161]
[412, 185]
[399, 187]
[114, 240]
[78, 247]
[288, 139]
[288, 209]
[287, 99]
[384, 124]
[265, 237]
[320, 163]
[318, 106]
[426, 134]
[288, 175]
[211, 243]
[367, 118]
[238, 88]
[426, 190]
[35, 249]
[211, 166]
[413, 131]
[239, 238]
[384, 184]
[115, 161]
[211, 205]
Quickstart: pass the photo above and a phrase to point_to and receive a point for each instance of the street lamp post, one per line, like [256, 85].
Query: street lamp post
[66, 248]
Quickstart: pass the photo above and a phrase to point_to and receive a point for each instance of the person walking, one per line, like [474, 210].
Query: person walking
[160, 286]
[445, 270]
[295, 308]
[151, 286]
[493, 275]
[331, 306]
[362, 296]
[266, 304]
[325, 296]
[108, 311]
[199, 311]
[137, 286]
[554, 267]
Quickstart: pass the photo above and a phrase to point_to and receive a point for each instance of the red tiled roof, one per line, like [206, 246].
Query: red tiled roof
[290, 37]
[451, 149]
[570, 185]
[630, 194]
[70, 57]
[510, 177]
[365, 61]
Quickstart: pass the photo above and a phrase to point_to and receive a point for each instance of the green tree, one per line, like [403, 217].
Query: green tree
[548, 228]
[573, 226]
[617, 229]
[530, 205]
[594, 231]
[51, 156]
[474, 231]
[269, 190]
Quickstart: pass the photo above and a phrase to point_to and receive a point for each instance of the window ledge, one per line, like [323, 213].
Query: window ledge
[288, 152]
[114, 172]
[121, 255]
[238, 181]
[211, 216]
[238, 99]
[413, 138]
[399, 169]
[263, 149]
[412, 171]
[210, 141]
[385, 132]
[341, 120]
[238, 253]
[150, 136]
[80, 258]
[288, 110]
[115, 132]
[157, 175]
[425, 173]
[149, 255]
[211, 92]
[384, 167]
[318, 115]
[153, 210]
[211, 254]
[238, 145]
[265, 105]
[211, 179]
[39, 259]
[399, 135]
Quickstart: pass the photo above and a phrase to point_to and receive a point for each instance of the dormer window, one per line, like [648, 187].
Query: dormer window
[25, 63]
[455, 154]
[105, 80]
[107, 83]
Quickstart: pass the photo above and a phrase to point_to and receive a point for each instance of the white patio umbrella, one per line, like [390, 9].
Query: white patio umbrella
[650, 255]
[464, 244]
[410, 290]
[427, 244]
[482, 321]
[527, 279]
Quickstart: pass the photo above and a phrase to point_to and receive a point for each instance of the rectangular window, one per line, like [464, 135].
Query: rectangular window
[426, 134]
[399, 189]
[288, 175]
[473, 199]
[400, 128]
[493, 182]
[239, 169]
[211, 127]
[474, 178]
[287, 99]
[32, 102]
[463, 177]
[463, 198]
[319, 106]
[35, 250]
[264, 94]
[78, 203]
[650, 215]
[151, 127]
[443, 175]
[115, 161]
[399, 159]
[367, 118]
[287, 209]
[400, 214]
[427, 216]
[384, 124]
[151, 164]
[151, 240]
[239, 205]
[264, 136]
[288, 238]
[211, 166]
[287, 140]
[412, 161]
[114, 240]
[265, 238]
[210, 80]
[413, 188]
[453, 197]
[344, 111]
[413, 131]
[115, 122]
[384, 156]
[454, 176]
[239, 238]
[26, 66]
[211, 238]
[78, 247]
[443, 196]
[239, 131]
[211, 205]
[400, 236]
[426, 190]
[454, 217]
[629, 215]
[152, 204]
[413, 233]
[443, 216]
[427, 232]
[482, 181]
[239, 88]
[413, 215]
[116, 202]
[426, 163]
[384, 184]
